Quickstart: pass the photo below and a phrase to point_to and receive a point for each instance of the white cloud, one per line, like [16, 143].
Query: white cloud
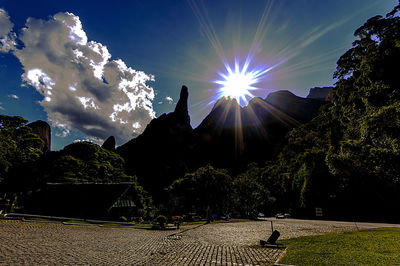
[83, 88]
[169, 99]
[5, 23]
[13, 96]
[7, 38]
[89, 139]
[87, 102]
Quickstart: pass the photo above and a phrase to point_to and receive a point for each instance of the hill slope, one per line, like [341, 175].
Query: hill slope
[229, 137]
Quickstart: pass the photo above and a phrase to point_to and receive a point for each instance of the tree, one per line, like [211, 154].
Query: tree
[207, 188]
[80, 162]
[367, 96]
[347, 157]
[251, 194]
[300, 179]
[18, 146]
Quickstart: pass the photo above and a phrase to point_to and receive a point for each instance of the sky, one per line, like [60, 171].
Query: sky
[95, 69]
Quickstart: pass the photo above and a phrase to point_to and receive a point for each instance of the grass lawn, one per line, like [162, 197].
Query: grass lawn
[38, 219]
[233, 220]
[369, 247]
[76, 222]
[144, 225]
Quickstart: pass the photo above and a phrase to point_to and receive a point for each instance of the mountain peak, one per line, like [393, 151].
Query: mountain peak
[320, 93]
[224, 101]
[181, 108]
[280, 93]
[109, 144]
[230, 136]
[43, 129]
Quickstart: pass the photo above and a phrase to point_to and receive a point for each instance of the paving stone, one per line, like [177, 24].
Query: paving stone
[53, 243]
[212, 244]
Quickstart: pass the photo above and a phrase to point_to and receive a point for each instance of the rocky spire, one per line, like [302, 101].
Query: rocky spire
[43, 129]
[181, 109]
[109, 144]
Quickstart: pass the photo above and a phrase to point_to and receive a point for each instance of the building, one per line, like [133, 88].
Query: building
[86, 200]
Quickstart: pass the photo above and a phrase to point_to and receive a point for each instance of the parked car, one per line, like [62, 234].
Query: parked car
[279, 216]
[287, 215]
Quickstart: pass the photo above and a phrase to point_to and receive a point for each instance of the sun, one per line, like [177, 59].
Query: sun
[239, 82]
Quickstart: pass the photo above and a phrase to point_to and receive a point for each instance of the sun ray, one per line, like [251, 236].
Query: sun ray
[239, 81]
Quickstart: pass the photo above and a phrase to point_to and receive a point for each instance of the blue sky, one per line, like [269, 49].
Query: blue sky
[171, 43]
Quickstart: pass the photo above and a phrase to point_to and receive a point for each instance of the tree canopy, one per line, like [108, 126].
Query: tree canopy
[18, 145]
[205, 189]
[80, 162]
[346, 159]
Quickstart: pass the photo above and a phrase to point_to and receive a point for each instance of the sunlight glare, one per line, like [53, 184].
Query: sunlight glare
[238, 83]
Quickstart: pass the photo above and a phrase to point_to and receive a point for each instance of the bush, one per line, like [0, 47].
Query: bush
[161, 220]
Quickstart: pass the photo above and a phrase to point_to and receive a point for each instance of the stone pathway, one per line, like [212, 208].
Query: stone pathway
[35, 243]
[55, 243]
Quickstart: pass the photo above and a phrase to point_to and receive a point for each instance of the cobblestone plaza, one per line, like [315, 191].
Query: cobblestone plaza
[36, 243]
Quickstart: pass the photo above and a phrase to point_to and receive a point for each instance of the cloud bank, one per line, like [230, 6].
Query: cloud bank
[7, 38]
[83, 88]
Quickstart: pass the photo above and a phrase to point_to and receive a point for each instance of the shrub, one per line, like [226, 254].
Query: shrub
[161, 220]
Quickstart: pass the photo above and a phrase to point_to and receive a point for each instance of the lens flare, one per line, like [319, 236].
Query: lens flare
[238, 83]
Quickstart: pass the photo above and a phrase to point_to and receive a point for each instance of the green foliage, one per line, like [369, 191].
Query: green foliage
[76, 163]
[371, 247]
[206, 189]
[18, 146]
[367, 96]
[346, 160]
[367, 99]
[83, 162]
[161, 220]
[210, 190]
[251, 193]
[24, 168]
[300, 178]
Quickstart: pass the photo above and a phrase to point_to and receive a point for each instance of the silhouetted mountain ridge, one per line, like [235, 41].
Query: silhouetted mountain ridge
[230, 136]
[158, 155]
[319, 93]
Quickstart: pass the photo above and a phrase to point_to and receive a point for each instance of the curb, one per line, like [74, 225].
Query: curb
[37, 221]
[84, 224]
[64, 220]
[280, 257]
